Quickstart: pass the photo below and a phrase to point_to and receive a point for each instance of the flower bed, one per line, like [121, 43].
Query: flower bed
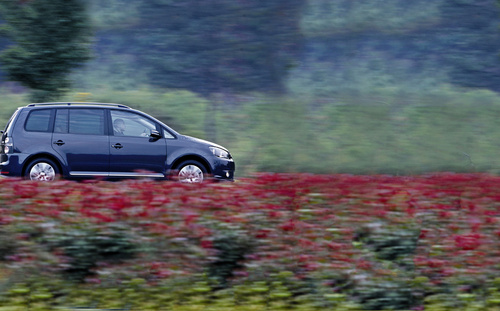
[279, 240]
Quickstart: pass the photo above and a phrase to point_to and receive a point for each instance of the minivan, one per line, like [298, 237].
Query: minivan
[44, 141]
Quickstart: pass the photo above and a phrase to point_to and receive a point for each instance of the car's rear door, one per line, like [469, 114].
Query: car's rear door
[81, 138]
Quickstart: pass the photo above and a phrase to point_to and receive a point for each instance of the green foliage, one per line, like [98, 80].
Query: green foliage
[388, 244]
[231, 249]
[51, 39]
[85, 249]
[386, 296]
[355, 45]
[8, 245]
[274, 130]
[217, 45]
[110, 72]
[10, 102]
[113, 14]
[387, 130]
[378, 131]
[323, 18]
[237, 46]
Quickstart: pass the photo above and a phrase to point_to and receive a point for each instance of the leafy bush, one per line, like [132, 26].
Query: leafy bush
[85, 249]
[8, 245]
[231, 250]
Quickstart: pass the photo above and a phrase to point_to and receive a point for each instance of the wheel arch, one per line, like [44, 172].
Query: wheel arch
[42, 156]
[193, 157]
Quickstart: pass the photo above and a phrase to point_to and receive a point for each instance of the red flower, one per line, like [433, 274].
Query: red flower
[206, 244]
[288, 226]
[468, 241]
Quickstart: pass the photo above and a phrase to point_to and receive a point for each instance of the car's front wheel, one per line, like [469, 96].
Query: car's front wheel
[191, 172]
[42, 170]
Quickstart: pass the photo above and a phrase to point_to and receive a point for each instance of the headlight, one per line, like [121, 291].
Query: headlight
[220, 153]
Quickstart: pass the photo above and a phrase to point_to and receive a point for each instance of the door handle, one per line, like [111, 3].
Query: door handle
[117, 146]
[59, 142]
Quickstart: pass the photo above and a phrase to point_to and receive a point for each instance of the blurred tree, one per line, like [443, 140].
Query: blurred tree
[211, 46]
[113, 14]
[51, 38]
[214, 46]
[413, 45]
[470, 38]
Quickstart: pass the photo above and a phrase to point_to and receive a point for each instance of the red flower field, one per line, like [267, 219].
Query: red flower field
[351, 235]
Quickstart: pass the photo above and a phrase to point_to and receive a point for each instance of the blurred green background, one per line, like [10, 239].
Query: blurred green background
[371, 133]
[320, 86]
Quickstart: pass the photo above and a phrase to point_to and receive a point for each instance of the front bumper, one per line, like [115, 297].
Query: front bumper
[224, 170]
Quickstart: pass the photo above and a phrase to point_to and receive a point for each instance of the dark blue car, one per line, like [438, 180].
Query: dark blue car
[95, 140]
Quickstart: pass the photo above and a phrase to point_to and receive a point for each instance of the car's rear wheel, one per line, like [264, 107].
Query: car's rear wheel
[191, 172]
[42, 170]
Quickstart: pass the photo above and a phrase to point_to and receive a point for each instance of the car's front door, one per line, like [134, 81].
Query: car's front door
[80, 137]
[133, 151]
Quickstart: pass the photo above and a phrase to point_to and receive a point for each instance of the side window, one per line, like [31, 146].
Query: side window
[61, 123]
[11, 120]
[38, 121]
[86, 121]
[131, 124]
[167, 134]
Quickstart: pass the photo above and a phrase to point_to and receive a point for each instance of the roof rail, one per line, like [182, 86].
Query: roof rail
[76, 103]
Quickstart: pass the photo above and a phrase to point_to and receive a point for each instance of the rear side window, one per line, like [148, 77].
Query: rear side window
[11, 120]
[86, 121]
[38, 121]
[61, 122]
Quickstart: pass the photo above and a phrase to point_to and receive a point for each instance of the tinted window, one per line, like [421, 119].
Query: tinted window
[10, 121]
[167, 134]
[61, 123]
[86, 121]
[38, 121]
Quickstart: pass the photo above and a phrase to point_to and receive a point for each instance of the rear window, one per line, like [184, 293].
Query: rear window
[86, 121]
[38, 121]
[7, 127]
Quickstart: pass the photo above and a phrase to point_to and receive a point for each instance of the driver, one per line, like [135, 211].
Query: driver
[119, 127]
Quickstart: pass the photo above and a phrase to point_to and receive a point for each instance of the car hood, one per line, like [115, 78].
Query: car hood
[202, 141]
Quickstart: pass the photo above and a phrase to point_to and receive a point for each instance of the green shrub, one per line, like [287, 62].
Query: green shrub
[231, 249]
[84, 249]
[388, 244]
[8, 244]
[386, 296]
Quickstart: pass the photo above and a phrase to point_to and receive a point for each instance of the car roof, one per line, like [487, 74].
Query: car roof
[80, 104]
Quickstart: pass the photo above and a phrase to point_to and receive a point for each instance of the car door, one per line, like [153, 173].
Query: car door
[133, 151]
[80, 137]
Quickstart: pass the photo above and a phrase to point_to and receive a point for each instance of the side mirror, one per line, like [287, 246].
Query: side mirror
[155, 135]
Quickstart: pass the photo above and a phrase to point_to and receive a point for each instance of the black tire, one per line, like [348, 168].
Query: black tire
[42, 169]
[190, 171]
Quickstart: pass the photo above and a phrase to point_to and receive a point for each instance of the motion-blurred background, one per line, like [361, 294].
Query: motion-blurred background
[321, 86]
